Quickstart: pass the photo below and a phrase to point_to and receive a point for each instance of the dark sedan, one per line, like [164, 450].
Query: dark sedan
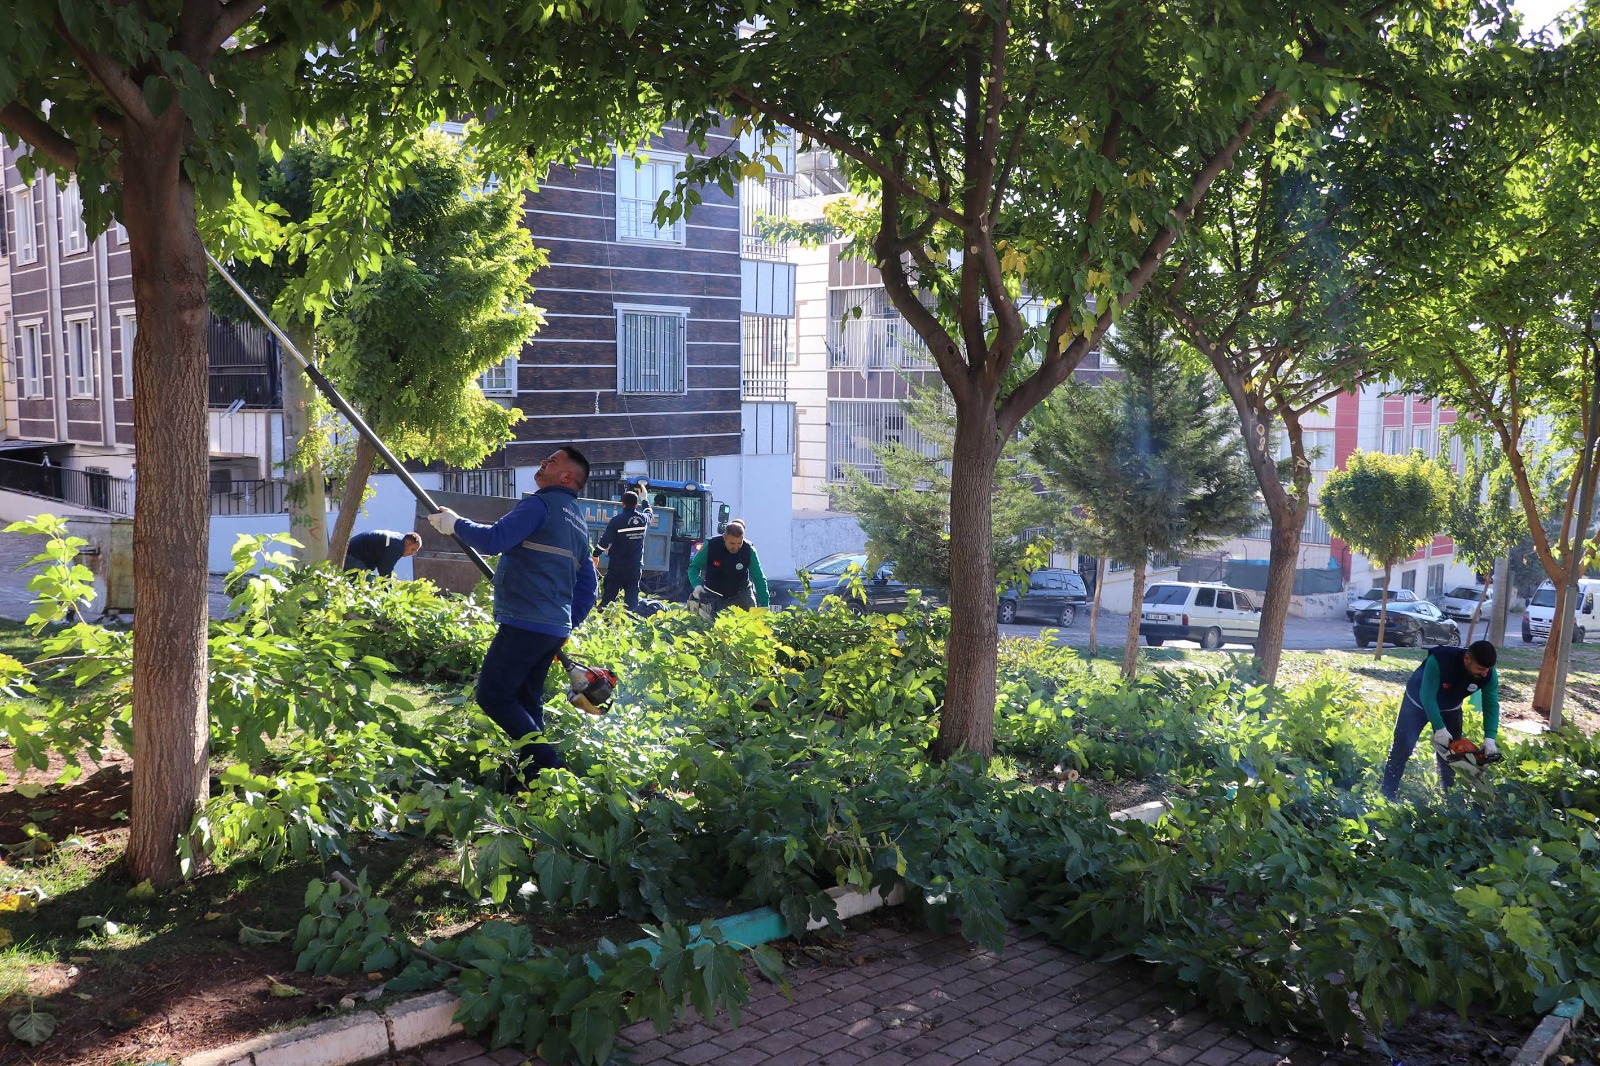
[1410, 625]
[834, 575]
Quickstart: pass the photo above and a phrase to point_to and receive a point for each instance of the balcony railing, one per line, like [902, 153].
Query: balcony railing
[1315, 530]
[761, 202]
[766, 349]
[490, 481]
[81, 488]
[249, 497]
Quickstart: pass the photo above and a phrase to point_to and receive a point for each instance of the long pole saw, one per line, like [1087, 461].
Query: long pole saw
[342, 405]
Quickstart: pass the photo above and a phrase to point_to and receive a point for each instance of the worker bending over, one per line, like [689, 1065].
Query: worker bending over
[1434, 695]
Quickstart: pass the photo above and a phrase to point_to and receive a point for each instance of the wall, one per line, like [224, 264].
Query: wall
[820, 533]
[15, 506]
[756, 488]
[391, 507]
[1117, 595]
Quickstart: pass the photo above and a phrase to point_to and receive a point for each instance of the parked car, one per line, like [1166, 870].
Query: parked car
[1211, 614]
[1052, 596]
[1461, 601]
[1411, 624]
[1373, 597]
[833, 575]
[1541, 612]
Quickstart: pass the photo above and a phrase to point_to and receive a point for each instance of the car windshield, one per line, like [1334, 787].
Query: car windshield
[834, 565]
[1463, 592]
[1377, 594]
[1167, 595]
[1544, 598]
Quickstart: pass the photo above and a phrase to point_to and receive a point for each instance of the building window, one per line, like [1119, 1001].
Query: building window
[768, 350]
[1391, 441]
[74, 235]
[27, 243]
[80, 358]
[30, 360]
[127, 330]
[640, 185]
[652, 350]
[1408, 581]
[677, 470]
[1422, 441]
[857, 428]
[121, 232]
[1435, 581]
[500, 379]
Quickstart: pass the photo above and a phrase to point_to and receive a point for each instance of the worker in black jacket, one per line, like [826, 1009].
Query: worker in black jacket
[378, 550]
[623, 543]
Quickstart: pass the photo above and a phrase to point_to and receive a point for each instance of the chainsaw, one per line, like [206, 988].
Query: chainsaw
[1471, 761]
[589, 688]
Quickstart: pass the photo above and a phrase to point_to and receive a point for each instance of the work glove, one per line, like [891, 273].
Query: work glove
[1441, 742]
[1490, 748]
[444, 521]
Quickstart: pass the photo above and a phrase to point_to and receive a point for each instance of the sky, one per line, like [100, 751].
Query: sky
[1537, 14]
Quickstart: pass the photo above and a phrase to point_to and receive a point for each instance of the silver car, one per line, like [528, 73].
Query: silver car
[1459, 603]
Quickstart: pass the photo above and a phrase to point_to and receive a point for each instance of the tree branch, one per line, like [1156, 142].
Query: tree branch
[110, 76]
[234, 16]
[44, 138]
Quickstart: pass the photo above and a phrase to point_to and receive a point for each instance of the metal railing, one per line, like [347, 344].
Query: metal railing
[1315, 531]
[765, 351]
[761, 202]
[489, 481]
[260, 496]
[636, 222]
[81, 488]
[879, 339]
[858, 428]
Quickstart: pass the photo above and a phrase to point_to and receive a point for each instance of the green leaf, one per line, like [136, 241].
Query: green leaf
[32, 1027]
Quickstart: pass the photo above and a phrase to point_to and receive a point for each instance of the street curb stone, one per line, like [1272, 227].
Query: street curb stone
[1546, 1039]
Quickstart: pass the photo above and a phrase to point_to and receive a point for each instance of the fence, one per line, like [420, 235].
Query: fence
[766, 351]
[244, 365]
[81, 488]
[880, 339]
[249, 497]
[762, 203]
[490, 481]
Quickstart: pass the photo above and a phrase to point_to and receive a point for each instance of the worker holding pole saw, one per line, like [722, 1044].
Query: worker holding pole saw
[545, 584]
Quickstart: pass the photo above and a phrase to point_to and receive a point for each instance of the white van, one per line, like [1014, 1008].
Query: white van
[1542, 611]
[1212, 614]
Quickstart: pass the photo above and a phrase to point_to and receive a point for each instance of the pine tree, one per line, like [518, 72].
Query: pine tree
[1153, 463]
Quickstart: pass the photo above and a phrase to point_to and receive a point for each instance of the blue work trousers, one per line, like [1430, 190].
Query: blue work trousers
[511, 692]
[1412, 723]
[621, 584]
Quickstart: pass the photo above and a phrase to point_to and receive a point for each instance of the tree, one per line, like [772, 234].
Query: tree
[1387, 507]
[907, 516]
[1154, 462]
[1483, 522]
[160, 110]
[1011, 144]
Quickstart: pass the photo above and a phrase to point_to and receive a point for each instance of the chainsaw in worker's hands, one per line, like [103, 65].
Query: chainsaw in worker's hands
[589, 688]
[1468, 759]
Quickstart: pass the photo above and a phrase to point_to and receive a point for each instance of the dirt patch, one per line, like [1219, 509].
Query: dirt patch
[94, 804]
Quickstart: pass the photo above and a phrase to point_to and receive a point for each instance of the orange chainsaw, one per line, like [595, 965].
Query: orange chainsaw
[589, 688]
[1468, 759]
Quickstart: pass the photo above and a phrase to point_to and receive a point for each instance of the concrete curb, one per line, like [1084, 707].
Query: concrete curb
[1546, 1039]
[420, 1020]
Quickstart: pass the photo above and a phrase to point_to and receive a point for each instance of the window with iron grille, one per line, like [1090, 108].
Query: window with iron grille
[640, 184]
[678, 470]
[856, 428]
[26, 248]
[80, 358]
[127, 330]
[1435, 581]
[652, 350]
[501, 379]
[74, 234]
[30, 359]
[867, 332]
[605, 482]
[768, 349]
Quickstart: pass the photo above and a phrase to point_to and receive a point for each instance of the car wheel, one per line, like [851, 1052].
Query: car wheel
[1579, 636]
[1363, 642]
[1211, 639]
[1008, 612]
[1155, 642]
[1455, 634]
[1069, 615]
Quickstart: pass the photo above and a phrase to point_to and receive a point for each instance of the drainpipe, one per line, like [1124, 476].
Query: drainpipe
[58, 339]
[108, 403]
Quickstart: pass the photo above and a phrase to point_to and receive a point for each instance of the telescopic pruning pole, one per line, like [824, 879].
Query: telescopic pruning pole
[325, 387]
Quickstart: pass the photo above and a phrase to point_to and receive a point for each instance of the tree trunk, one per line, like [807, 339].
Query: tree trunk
[355, 487]
[1574, 559]
[1094, 608]
[1130, 646]
[1477, 612]
[171, 525]
[1383, 610]
[1502, 600]
[302, 467]
[1284, 554]
[967, 721]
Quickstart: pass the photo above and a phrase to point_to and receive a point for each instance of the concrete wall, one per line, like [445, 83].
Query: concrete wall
[820, 533]
[1118, 592]
[756, 488]
[15, 506]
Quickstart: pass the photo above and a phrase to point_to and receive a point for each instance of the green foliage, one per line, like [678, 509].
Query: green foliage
[1387, 506]
[907, 515]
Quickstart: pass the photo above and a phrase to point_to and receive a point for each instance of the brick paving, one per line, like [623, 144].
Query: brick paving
[935, 1000]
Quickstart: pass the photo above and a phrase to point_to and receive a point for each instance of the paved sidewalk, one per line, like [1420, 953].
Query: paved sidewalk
[16, 602]
[936, 1001]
